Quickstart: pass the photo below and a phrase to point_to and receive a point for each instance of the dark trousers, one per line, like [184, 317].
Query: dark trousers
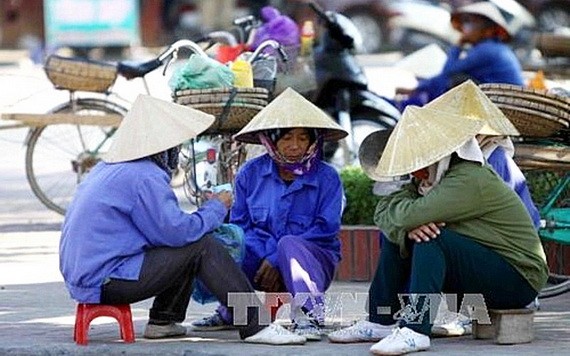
[167, 274]
[451, 263]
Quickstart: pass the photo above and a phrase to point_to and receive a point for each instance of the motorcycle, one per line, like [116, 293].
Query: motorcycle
[342, 87]
[424, 22]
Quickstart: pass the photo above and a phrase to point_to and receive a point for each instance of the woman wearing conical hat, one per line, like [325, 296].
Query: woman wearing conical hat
[289, 203]
[482, 54]
[480, 241]
[494, 138]
[125, 238]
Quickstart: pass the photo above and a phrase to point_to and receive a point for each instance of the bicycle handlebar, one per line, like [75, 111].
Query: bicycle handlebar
[268, 43]
[171, 52]
[173, 48]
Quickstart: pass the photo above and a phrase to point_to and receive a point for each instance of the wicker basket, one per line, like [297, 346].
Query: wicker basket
[534, 113]
[553, 45]
[79, 74]
[232, 107]
[536, 156]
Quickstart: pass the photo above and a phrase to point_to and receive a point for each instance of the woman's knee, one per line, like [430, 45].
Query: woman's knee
[288, 242]
[444, 238]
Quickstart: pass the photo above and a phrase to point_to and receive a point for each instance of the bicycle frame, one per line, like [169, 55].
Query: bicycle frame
[78, 144]
[557, 225]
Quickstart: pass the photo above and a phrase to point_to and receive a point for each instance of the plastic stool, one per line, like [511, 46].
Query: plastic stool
[87, 312]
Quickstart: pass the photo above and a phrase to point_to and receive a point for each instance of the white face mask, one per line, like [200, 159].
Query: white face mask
[468, 27]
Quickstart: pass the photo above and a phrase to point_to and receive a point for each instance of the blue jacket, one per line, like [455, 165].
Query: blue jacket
[267, 208]
[507, 169]
[488, 61]
[118, 212]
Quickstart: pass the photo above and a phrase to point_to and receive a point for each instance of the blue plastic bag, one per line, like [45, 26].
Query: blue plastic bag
[232, 238]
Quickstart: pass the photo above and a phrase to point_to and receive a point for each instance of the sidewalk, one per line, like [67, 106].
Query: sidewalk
[37, 317]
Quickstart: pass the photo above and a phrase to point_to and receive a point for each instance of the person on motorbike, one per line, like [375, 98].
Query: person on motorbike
[125, 238]
[476, 238]
[289, 203]
[482, 55]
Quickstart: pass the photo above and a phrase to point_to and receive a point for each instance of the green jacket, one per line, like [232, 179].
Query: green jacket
[473, 201]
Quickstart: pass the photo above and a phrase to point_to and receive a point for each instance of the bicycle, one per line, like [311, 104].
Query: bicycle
[64, 144]
[556, 229]
[547, 171]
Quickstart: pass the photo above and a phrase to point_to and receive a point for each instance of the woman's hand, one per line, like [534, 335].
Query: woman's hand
[425, 232]
[269, 278]
[226, 197]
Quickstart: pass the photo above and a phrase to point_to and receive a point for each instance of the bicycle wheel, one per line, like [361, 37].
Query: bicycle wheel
[59, 156]
[197, 169]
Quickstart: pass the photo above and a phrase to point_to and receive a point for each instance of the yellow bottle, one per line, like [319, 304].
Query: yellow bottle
[537, 82]
[307, 38]
[243, 74]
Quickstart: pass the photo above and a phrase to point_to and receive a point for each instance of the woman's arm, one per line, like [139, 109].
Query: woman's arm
[457, 197]
[158, 216]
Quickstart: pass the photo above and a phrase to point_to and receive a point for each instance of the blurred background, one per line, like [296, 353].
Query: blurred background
[109, 27]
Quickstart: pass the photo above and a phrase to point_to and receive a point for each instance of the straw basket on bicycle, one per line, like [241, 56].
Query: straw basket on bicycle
[233, 108]
[80, 75]
[543, 153]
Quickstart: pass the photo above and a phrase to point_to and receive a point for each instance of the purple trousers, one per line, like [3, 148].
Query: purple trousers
[307, 271]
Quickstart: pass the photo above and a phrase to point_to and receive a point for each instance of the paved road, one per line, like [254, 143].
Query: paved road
[37, 317]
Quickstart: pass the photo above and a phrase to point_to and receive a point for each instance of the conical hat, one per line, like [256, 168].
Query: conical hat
[485, 9]
[426, 62]
[153, 125]
[468, 100]
[422, 137]
[370, 152]
[289, 110]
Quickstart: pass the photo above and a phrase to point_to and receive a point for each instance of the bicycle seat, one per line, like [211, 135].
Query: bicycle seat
[132, 69]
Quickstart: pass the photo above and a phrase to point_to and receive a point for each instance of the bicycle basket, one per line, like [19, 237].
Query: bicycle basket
[232, 107]
[80, 74]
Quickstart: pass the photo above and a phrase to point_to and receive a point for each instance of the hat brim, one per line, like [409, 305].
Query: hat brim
[290, 110]
[370, 152]
[422, 137]
[252, 137]
[486, 10]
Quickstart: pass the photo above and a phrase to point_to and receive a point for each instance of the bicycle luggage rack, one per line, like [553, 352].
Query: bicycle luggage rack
[25, 119]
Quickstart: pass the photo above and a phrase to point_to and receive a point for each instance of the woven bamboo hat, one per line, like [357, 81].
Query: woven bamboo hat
[422, 137]
[290, 110]
[370, 152]
[153, 125]
[468, 100]
[485, 9]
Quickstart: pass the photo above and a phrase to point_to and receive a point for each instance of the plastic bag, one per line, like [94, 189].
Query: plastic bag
[201, 72]
[232, 238]
[299, 74]
[278, 27]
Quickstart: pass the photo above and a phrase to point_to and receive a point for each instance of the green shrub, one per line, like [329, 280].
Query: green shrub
[360, 201]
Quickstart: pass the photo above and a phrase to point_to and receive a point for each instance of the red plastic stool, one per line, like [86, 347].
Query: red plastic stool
[87, 312]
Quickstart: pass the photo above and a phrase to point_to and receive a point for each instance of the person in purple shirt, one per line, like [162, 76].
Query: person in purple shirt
[125, 238]
[289, 203]
[482, 55]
